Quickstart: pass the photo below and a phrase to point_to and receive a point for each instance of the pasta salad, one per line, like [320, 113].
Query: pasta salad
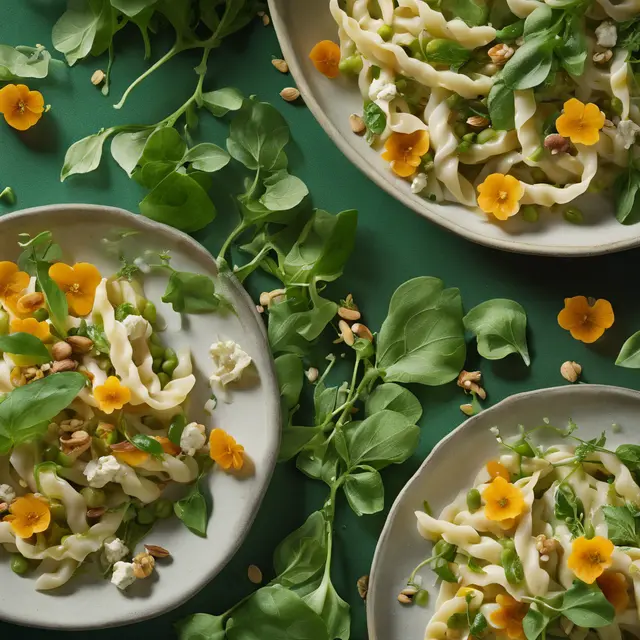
[545, 542]
[93, 415]
[505, 105]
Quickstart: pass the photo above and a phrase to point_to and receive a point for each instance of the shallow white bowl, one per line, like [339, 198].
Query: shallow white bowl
[299, 25]
[451, 468]
[253, 418]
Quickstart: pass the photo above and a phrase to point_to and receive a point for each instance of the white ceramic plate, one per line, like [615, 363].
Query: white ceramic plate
[253, 418]
[451, 468]
[299, 25]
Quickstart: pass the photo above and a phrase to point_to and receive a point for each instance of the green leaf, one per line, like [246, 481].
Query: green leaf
[257, 136]
[501, 107]
[25, 344]
[474, 567]
[132, 8]
[164, 145]
[283, 192]
[573, 50]
[178, 423]
[127, 148]
[294, 439]
[319, 462]
[364, 490]
[180, 202]
[39, 248]
[147, 444]
[626, 188]
[501, 328]
[192, 293]
[441, 51]
[395, 398]
[96, 335]
[54, 297]
[192, 510]
[207, 157]
[629, 455]
[333, 610]
[512, 566]
[536, 621]
[538, 21]
[26, 411]
[622, 529]
[478, 626]
[23, 62]
[569, 509]
[375, 118]
[74, 33]
[442, 569]
[422, 338]
[84, 156]
[510, 32]
[201, 626]
[221, 101]
[290, 374]
[586, 606]
[530, 64]
[276, 612]
[474, 12]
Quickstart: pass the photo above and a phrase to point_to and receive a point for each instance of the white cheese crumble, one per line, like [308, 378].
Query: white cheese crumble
[123, 575]
[626, 131]
[137, 327]
[102, 471]
[382, 89]
[606, 35]
[115, 550]
[192, 438]
[229, 361]
[7, 493]
[419, 183]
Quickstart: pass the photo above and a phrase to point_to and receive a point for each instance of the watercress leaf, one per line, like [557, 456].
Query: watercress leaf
[511, 32]
[395, 398]
[629, 455]
[127, 148]
[364, 490]
[106, 26]
[333, 610]
[572, 52]
[474, 12]
[23, 62]
[84, 156]
[164, 145]
[151, 174]
[422, 337]
[132, 8]
[179, 13]
[54, 297]
[192, 510]
[586, 606]
[98, 337]
[180, 202]
[192, 293]
[257, 136]
[74, 33]
[236, 15]
[530, 64]
[535, 622]
[221, 101]
[440, 51]
[621, 526]
[325, 400]
[283, 192]
[375, 118]
[290, 374]
[294, 440]
[207, 157]
[473, 566]
[442, 569]
[501, 106]
[626, 189]
[501, 328]
[319, 462]
[25, 344]
[569, 508]
[629, 356]
[201, 626]
[478, 626]
[537, 21]
[276, 612]
[147, 444]
[512, 566]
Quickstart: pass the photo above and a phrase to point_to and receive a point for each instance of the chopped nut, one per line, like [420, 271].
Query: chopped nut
[362, 331]
[312, 374]
[124, 446]
[266, 20]
[76, 443]
[280, 65]
[254, 574]
[403, 599]
[80, 344]
[156, 551]
[406, 595]
[61, 351]
[264, 299]
[570, 370]
[269, 297]
[346, 333]
[467, 409]
[98, 512]
[556, 143]
[98, 77]
[72, 425]
[363, 586]
[290, 94]
[3, 507]
[500, 53]
[608, 124]
[479, 122]
[601, 57]
[33, 373]
[259, 308]
[357, 124]
[469, 380]
[546, 545]
[17, 377]
[30, 302]
[349, 314]
[64, 365]
[143, 565]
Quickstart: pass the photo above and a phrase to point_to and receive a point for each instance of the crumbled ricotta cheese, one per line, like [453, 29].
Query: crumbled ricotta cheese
[382, 89]
[192, 438]
[115, 550]
[102, 471]
[229, 361]
[7, 493]
[123, 575]
[626, 131]
[606, 35]
[137, 327]
[419, 183]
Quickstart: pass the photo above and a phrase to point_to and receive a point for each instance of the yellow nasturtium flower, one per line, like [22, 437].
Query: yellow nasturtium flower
[503, 500]
[28, 515]
[405, 150]
[21, 107]
[79, 284]
[589, 558]
[580, 122]
[500, 195]
[586, 319]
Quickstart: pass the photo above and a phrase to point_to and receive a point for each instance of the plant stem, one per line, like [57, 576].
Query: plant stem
[232, 236]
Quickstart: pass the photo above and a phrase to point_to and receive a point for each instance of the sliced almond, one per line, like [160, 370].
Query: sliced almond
[362, 331]
[346, 333]
[349, 314]
[290, 94]
[281, 65]
[156, 551]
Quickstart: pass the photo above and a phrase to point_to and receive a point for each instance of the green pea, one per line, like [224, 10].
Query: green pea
[19, 564]
[157, 365]
[157, 351]
[146, 515]
[50, 454]
[415, 47]
[169, 366]
[486, 135]
[4, 323]
[573, 215]
[474, 501]
[64, 460]
[149, 312]
[93, 497]
[537, 154]
[453, 101]
[351, 65]
[375, 72]
[464, 146]
[460, 129]
[58, 511]
[164, 508]
[469, 137]
[421, 598]
[385, 32]
[524, 449]
[125, 309]
[616, 106]
[41, 314]
[530, 213]
[155, 339]
[164, 379]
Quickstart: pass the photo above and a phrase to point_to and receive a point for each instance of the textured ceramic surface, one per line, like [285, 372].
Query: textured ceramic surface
[253, 417]
[299, 25]
[451, 467]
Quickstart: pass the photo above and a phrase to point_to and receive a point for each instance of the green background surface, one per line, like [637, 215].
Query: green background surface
[393, 244]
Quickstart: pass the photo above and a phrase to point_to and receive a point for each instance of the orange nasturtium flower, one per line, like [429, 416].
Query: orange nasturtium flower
[31, 325]
[135, 457]
[500, 195]
[580, 122]
[503, 500]
[79, 284]
[28, 515]
[21, 108]
[586, 319]
[495, 469]
[405, 150]
[12, 281]
[589, 558]
[225, 451]
[326, 58]
[112, 395]
[615, 589]
[509, 616]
